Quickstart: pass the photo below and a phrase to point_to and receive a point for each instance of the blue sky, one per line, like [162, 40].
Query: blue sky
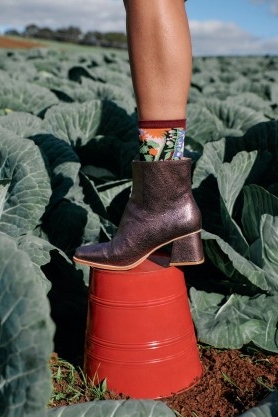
[218, 27]
[254, 17]
[244, 26]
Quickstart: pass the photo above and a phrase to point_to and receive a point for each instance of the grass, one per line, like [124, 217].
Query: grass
[266, 385]
[228, 379]
[70, 386]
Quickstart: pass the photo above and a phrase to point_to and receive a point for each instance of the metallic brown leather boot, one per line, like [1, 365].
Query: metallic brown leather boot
[161, 210]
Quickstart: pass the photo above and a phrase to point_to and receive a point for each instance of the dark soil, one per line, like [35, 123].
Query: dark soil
[233, 381]
[10, 43]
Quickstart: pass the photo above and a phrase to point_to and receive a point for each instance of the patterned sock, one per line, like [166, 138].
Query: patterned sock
[161, 140]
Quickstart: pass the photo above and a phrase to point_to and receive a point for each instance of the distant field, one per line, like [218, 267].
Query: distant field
[15, 42]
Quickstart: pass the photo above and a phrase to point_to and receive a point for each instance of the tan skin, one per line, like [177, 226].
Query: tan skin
[160, 55]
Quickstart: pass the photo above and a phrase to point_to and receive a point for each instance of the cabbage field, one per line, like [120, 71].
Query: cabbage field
[68, 135]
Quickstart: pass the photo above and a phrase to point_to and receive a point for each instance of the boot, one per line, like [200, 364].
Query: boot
[161, 210]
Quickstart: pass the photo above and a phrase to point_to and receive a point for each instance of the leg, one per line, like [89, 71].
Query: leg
[160, 57]
[161, 208]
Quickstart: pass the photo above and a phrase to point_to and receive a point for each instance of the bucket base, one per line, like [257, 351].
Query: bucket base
[140, 335]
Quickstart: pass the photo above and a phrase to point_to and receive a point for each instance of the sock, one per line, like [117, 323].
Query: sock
[161, 140]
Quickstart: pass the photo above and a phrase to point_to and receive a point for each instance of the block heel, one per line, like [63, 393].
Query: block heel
[188, 250]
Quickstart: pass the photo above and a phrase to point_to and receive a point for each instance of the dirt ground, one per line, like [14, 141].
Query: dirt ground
[10, 43]
[233, 381]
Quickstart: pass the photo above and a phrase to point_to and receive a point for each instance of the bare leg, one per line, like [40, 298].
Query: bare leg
[160, 57]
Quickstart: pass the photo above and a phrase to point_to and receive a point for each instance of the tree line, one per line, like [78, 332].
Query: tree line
[73, 34]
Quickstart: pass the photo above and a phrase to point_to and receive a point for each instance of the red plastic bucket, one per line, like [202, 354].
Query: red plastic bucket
[140, 334]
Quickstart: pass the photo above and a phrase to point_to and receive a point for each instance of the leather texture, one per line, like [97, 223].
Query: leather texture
[161, 209]
[187, 250]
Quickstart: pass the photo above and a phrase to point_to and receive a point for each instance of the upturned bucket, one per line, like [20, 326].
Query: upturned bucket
[140, 335]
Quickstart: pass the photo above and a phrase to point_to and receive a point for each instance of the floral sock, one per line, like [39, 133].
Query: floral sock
[161, 140]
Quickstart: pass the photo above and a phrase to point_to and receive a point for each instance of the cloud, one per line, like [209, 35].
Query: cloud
[272, 3]
[102, 15]
[226, 38]
[208, 37]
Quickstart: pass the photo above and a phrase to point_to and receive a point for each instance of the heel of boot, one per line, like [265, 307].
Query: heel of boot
[188, 250]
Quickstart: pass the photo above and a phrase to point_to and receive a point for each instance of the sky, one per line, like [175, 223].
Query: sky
[218, 27]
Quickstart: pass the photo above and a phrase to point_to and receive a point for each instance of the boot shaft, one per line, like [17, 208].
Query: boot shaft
[161, 185]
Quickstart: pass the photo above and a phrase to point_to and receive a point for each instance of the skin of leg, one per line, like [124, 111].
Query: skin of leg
[160, 54]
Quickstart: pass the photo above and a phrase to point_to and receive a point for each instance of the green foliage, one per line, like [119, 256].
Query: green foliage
[67, 138]
[22, 96]
[26, 333]
[119, 408]
[235, 183]
[29, 190]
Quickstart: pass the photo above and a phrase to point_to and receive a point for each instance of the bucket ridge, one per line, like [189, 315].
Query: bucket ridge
[136, 304]
[140, 362]
[153, 344]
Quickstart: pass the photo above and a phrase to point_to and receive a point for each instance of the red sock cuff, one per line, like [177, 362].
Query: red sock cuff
[160, 124]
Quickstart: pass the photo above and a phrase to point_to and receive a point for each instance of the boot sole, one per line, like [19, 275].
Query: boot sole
[138, 262]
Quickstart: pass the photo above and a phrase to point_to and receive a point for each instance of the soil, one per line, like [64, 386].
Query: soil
[10, 43]
[233, 382]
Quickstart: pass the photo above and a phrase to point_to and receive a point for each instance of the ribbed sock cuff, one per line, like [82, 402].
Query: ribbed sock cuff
[160, 124]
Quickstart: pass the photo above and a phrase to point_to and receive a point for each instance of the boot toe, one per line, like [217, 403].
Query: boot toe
[86, 252]
[91, 254]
